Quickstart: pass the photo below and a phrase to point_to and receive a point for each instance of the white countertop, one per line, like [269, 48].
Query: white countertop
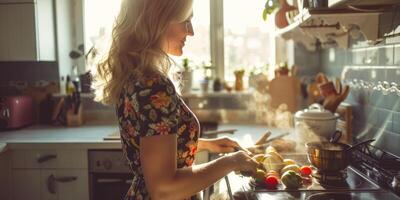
[46, 134]
[87, 137]
[91, 136]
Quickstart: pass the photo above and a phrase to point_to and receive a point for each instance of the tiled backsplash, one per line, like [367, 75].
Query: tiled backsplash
[376, 112]
[29, 72]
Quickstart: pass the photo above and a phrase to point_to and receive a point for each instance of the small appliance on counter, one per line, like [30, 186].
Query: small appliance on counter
[315, 123]
[16, 112]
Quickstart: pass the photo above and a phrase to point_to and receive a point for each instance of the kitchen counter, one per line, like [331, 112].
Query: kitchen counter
[91, 136]
[88, 136]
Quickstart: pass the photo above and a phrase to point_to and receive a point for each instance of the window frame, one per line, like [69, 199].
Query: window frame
[217, 37]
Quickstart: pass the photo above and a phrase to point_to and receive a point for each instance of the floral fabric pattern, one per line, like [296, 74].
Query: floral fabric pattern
[152, 107]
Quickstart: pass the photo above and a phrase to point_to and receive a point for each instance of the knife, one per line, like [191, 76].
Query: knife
[77, 102]
[267, 142]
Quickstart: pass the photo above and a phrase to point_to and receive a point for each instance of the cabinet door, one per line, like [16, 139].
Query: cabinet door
[78, 189]
[64, 184]
[45, 30]
[17, 32]
[5, 176]
[25, 184]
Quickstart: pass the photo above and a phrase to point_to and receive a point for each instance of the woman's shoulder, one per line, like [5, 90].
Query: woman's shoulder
[153, 82]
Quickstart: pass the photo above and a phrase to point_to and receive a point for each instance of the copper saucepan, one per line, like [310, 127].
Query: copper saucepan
[331, 156]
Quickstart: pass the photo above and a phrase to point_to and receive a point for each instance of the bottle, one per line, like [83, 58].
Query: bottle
[69, 86]
[62, 85]
[217, 86]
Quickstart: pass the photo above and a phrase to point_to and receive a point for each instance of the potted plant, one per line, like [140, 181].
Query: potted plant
[187, 76]
[269, 7]
[285, 10]
[84, 76]
[207, 67]
[282, 70]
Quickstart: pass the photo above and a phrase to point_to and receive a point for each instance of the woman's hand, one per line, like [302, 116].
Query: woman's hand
[241, 161]
[221, 145]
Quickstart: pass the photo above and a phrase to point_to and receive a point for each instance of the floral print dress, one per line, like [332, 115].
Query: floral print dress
[152, 107]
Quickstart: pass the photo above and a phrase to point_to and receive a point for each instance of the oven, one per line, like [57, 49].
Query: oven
[109, 174]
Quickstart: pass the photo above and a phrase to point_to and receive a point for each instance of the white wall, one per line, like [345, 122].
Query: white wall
[69, 19]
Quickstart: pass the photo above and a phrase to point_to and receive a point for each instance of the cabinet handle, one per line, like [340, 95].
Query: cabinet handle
[109, 180]
[51, 182]
[65, 179]
[46, 158]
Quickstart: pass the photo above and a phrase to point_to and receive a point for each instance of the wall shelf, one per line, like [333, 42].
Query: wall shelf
[343, 3]
[327, 27]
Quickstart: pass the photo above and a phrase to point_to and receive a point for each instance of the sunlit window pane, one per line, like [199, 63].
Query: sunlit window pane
[246, 36]
[99, 19]
[197, 48]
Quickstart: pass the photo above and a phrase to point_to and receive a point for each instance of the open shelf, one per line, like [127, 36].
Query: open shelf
[329, 27]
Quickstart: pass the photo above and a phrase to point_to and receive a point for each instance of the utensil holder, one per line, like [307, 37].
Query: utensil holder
[75, 119]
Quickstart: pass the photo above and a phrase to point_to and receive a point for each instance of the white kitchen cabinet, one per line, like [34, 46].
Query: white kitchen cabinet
[27, 30]
[25, 184]
[49, 174]
[49, 159]
[5, 176]
[64, 184]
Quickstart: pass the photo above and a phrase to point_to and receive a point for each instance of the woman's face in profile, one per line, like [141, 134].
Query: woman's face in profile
[175, 37]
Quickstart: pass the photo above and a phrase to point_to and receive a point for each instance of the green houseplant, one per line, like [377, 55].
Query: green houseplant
[187, 76]
[269, 7]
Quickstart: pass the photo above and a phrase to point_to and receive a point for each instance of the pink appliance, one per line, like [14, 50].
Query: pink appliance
[16, 112]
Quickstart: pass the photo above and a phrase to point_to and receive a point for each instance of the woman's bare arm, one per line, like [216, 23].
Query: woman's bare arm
[158, 158]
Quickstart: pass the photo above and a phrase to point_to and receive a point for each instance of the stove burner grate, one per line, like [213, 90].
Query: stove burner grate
[334, 196]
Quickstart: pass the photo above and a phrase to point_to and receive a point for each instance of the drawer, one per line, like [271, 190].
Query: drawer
[49, 159]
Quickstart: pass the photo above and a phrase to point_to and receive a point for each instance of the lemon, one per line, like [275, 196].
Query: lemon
[259, 158]
[289, 162]
[260, 175]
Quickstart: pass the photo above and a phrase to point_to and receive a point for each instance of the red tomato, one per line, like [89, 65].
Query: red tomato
[271, 181]
[305, 170]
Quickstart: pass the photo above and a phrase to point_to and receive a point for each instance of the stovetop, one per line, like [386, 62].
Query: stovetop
[356, 186]
[354, 181]
[362, 195]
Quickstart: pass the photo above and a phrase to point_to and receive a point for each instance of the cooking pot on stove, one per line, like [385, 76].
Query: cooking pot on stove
[315, 123]
[331, 156]
[328, 157]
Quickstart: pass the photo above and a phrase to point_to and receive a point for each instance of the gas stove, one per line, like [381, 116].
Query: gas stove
[373, 174]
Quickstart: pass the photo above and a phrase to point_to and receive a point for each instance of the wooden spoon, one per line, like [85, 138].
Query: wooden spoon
[332, 102]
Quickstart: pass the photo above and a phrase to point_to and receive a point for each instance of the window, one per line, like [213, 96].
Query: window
[236, 39]
[197, 48]
[99, 17]
[246, 36]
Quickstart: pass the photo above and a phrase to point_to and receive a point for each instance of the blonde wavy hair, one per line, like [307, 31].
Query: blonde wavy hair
[136, 45]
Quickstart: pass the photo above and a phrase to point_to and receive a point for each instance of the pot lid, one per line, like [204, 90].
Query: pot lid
[316, 111]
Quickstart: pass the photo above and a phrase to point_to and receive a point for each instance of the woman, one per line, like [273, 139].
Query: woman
[159, 132]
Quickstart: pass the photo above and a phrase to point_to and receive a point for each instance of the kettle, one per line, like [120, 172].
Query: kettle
[16, 112]
[4, 116]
